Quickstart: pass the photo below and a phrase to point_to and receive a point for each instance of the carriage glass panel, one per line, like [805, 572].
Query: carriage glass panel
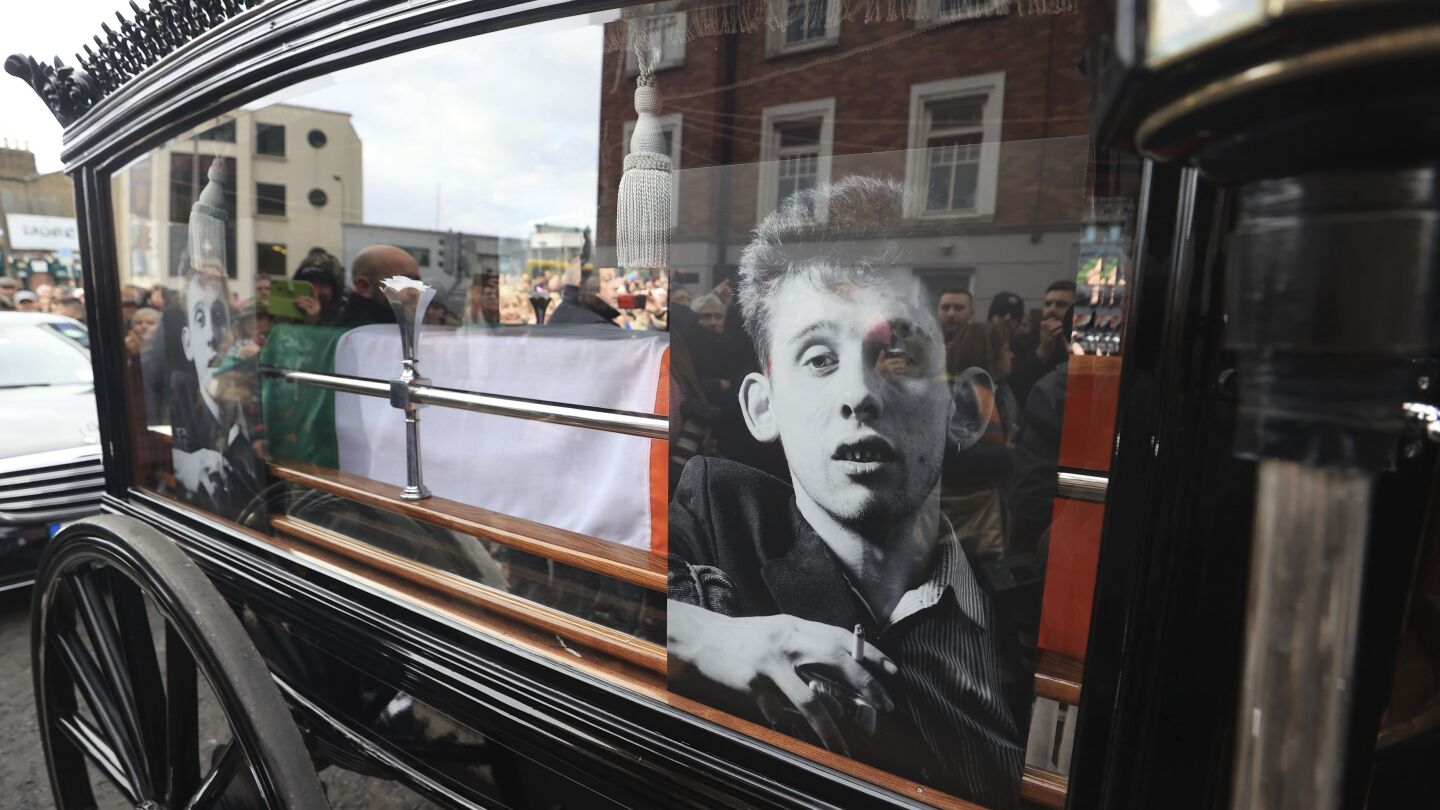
[775, 381]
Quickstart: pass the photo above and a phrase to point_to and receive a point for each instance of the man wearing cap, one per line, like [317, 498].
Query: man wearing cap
[1007, 308]
[26, 301]
[71, 307]
[8, 286]
[322, 307]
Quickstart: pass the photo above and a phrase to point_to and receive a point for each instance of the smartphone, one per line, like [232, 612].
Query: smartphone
[629, 301]
[283, 292]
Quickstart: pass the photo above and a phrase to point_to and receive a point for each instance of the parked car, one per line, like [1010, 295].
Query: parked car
[50, 467]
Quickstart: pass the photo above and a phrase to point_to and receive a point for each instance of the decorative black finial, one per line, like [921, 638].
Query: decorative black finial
[153, 33]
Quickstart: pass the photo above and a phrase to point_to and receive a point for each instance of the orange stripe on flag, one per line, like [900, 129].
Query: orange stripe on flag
[660, 468]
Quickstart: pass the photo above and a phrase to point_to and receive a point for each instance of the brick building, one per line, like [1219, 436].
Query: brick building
[978, 106]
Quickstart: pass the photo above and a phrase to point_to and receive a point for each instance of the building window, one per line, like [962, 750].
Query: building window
[421, 255]
[270, 199]
[671, 128]
[798, 140]
[932, 12]
[224, 133]
[954, 147]
[665, 31]
[800, 25]
[270, 139]
[270, 259]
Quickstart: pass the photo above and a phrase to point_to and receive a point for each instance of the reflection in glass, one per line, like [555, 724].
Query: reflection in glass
[590, 203]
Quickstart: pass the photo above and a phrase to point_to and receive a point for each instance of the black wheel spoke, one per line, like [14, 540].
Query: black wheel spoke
[88, 681]
[222, 773]
[91, 742]
[137, 662]
[105, 640]
[182, 709]
[143, 670]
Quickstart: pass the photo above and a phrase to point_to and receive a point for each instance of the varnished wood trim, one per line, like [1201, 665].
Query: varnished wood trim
[1044, 788]
[642, 680]
[1056, 689]
[516, 623]
[1058, 677]
[887, 780]
[588, 634]
[588, 553]
[1401, 732]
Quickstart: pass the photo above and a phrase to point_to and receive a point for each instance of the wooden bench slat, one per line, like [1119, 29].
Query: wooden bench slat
[625, 563]
[609, 641]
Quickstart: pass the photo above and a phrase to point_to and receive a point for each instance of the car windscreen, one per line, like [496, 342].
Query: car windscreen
[33, 354]
[71, 331]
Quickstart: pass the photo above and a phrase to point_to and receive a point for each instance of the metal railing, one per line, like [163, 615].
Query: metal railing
[649, 426]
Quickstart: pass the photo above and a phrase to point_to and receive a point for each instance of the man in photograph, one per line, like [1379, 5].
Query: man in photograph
[838, 606]
[214, 462]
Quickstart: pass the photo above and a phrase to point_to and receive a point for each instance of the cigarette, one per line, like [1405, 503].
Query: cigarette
[857, 644]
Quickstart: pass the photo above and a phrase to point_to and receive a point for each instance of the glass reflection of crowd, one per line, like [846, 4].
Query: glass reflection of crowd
[581, 294]
[1008, 370]
[62, 298]
[296, 323]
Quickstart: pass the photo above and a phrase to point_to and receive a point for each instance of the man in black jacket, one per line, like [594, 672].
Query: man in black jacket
[840, 608]
[580, 301]
[1040, 352]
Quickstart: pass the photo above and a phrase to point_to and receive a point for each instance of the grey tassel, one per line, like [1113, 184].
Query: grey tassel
[642, 220]
[207, 221]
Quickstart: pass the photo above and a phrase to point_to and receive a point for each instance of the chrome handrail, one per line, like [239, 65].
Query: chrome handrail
[649, 426]
[1082, 487]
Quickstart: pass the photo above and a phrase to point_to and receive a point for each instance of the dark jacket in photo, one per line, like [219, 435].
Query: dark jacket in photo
[739, 546]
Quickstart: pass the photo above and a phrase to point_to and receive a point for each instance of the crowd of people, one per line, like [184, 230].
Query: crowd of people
[296, 322]
[985, 490]
[56, 299]
[630, 300]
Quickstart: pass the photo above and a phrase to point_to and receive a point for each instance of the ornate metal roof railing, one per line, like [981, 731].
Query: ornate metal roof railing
[154, 33]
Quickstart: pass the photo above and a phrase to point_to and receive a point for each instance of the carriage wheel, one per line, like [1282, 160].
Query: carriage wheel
[116, 697]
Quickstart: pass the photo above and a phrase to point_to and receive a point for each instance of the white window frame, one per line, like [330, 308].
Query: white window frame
[676, 18]
[991, 85]
[775, 44]
[823, 108]
[676, 123]
[928, 12]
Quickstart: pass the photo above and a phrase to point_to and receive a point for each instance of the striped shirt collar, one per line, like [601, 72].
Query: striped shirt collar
[952, 573]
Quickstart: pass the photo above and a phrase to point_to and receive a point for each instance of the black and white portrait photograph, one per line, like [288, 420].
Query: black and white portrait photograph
[816, 585]
[211, 384]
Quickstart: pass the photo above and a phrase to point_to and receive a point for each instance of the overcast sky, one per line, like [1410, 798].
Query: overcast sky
[505, 147]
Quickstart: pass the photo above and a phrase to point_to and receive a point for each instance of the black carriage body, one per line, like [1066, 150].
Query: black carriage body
[1160, 689]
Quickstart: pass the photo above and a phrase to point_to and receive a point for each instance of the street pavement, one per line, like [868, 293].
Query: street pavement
[24, 782]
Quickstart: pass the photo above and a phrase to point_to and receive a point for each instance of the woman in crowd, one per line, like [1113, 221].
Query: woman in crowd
[980, 455]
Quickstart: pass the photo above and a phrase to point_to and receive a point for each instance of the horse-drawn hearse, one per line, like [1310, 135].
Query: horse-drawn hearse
[753, 403]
